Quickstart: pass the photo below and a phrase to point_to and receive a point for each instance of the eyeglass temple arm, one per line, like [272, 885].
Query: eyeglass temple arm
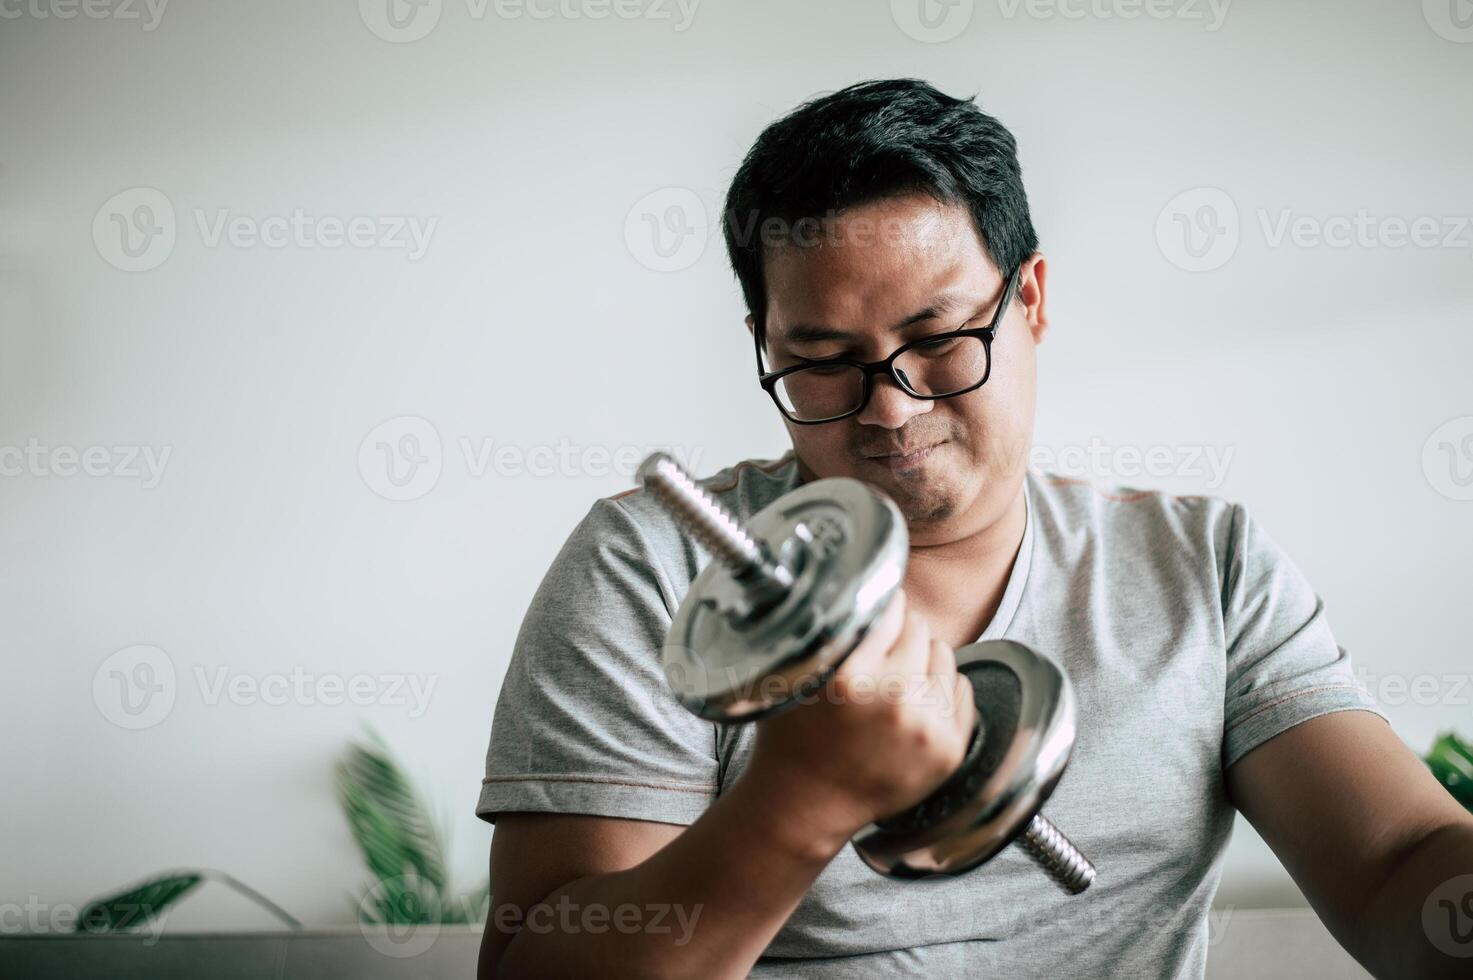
[757, 331]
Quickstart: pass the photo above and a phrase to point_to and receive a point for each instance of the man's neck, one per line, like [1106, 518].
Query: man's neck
[960, 582]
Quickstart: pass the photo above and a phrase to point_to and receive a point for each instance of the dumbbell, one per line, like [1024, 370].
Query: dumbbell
[791, 594]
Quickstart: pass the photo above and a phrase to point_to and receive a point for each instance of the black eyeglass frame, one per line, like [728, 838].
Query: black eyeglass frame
[769, 379]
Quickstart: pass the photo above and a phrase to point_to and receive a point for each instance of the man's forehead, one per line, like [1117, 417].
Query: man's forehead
[893, 259]
[817, 327]
[912, 220]
[864, 299]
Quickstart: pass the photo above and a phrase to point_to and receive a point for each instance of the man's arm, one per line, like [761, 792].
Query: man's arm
[1366, 832]
[698, 901]
[724, 886]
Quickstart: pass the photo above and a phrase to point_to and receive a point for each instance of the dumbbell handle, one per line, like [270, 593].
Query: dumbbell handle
[716, 528]
[1056, 854]
[1040, 839]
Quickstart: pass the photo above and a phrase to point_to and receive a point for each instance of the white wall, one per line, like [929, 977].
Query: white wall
[263, 549]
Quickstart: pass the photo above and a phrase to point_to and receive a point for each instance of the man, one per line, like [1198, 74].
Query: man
[882, 239]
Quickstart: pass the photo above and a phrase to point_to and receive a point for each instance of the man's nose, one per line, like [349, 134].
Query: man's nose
[891, 405]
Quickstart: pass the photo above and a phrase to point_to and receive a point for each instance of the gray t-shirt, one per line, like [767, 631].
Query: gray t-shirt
[1189, 637]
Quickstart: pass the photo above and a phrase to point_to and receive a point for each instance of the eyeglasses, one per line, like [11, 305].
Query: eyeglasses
[931, 367]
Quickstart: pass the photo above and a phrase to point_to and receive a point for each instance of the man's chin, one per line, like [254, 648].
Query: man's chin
[923, 497]
[925, 510]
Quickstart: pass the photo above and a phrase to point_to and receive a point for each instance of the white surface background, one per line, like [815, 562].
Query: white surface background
[531, 142]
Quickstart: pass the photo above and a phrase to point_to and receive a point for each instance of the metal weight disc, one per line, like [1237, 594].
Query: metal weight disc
[846, 545]
[1025, 709]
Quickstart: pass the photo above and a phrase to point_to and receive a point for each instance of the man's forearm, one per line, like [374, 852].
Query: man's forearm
[706, 905]
[1394, 939]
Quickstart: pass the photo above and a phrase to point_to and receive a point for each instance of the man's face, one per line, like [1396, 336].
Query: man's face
[873, 270]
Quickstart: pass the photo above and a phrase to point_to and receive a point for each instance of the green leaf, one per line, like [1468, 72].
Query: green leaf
[1451, 761]
[388, 820]
[402, 844]
[136, 906]
[399, 841]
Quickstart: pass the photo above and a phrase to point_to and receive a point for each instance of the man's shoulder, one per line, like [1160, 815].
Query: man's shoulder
[1116, 499]
[1148, 518]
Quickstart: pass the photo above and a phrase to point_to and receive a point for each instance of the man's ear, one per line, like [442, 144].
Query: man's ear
[1031, 292]
[751, 323]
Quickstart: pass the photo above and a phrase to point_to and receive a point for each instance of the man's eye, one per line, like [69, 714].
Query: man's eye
[828, 369]
[937, 348]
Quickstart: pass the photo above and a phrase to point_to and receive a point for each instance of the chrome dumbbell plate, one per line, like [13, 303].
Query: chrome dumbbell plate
[1026, 709]
[845, 546]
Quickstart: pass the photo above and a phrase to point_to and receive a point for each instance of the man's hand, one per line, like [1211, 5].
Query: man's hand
[889, 727]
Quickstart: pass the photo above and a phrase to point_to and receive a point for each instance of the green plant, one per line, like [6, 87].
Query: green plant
[141, 904]
[1451, 761]
[401, 845]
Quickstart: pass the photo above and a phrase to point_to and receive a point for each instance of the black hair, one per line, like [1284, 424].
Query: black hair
[871, 140]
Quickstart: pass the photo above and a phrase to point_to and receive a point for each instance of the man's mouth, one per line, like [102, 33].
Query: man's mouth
[898, 458]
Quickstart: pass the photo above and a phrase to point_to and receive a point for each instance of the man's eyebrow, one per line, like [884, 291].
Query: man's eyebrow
[813, 333]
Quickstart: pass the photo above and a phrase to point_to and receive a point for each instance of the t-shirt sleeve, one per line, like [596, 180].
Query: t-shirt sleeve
[585, 721]
[1283, 664]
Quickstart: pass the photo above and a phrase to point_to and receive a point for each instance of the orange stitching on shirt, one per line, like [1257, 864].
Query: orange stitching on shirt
[1290, 697]
[604, 780]
[771, 467]
[1132, 498]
